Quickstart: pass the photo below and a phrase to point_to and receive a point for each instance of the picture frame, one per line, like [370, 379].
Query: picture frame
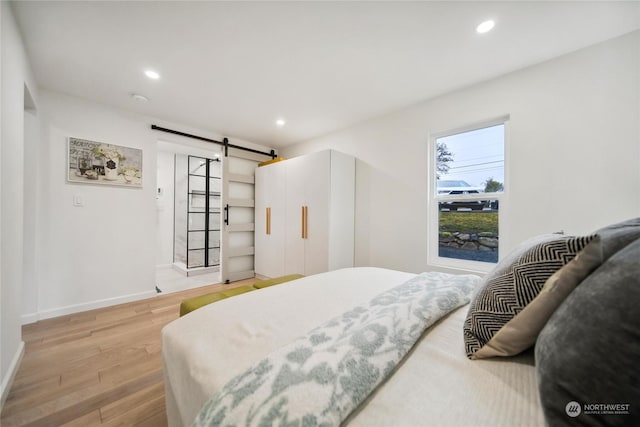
[99, 163]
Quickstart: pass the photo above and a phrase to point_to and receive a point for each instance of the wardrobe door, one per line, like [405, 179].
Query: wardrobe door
[270, 220]
[318, 200]
[341, 211]
[262, 202]
[295, 175]
[317, 168]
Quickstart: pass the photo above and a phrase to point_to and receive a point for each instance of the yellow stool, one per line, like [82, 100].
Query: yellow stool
[276, 281]
[188, 305]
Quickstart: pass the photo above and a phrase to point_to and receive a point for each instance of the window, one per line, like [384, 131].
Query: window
[468, 177]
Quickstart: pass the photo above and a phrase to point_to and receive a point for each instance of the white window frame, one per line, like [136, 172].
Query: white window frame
[434, 199]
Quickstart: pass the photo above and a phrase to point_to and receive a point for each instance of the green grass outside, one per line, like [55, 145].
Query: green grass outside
[469, 222]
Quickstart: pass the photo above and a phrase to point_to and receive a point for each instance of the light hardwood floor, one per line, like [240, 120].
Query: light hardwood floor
[96, 368]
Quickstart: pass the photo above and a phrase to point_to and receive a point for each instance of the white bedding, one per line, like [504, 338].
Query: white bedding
[436, 385]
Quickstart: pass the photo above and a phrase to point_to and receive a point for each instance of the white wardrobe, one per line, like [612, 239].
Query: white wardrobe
[304, 215]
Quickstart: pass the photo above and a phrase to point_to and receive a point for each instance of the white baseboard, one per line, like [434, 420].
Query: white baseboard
[11, 373]
[29, 318]
[92, 305]
[194, 271]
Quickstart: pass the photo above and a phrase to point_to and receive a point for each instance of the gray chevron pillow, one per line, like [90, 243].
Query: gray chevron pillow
[512, 285]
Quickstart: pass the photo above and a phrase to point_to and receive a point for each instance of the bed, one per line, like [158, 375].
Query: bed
[567, 302]
[435, 385]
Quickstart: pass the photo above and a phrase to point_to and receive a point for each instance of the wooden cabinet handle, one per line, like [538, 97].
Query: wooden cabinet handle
[305, 232]
[268, 221]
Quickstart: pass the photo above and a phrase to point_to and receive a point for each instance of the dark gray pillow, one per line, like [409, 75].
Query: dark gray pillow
[616, 236]
[588, 354]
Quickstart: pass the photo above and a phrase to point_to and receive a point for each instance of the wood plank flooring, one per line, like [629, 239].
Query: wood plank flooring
[96, 368]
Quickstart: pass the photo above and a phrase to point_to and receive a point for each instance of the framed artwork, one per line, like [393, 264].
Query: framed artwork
[91, 162]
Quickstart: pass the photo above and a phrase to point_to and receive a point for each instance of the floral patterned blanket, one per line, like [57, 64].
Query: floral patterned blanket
[322, 377]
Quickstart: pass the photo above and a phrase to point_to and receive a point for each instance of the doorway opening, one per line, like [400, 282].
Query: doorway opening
[197, 204]
[172, 222]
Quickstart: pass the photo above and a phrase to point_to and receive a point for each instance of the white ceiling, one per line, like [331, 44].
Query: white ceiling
[234, 67]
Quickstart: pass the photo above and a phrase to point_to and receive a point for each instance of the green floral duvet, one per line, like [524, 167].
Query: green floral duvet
[322, 377]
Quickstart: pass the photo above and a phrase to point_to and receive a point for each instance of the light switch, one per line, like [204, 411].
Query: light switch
[78, 200]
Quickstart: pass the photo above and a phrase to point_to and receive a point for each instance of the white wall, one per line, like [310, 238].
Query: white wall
[106, 251]
[16, 74]
[32, 193]
[4, 378]
[573, 150]
[164, 206]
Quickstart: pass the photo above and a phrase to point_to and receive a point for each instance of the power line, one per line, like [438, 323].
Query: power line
[476, 164]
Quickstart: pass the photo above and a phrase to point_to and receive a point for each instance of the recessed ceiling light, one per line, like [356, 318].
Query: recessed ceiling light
[485, 27]
[280, 122]
[152, 74]
[139, 97]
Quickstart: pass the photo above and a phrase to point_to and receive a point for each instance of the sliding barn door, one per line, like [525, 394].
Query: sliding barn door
[238, 225]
